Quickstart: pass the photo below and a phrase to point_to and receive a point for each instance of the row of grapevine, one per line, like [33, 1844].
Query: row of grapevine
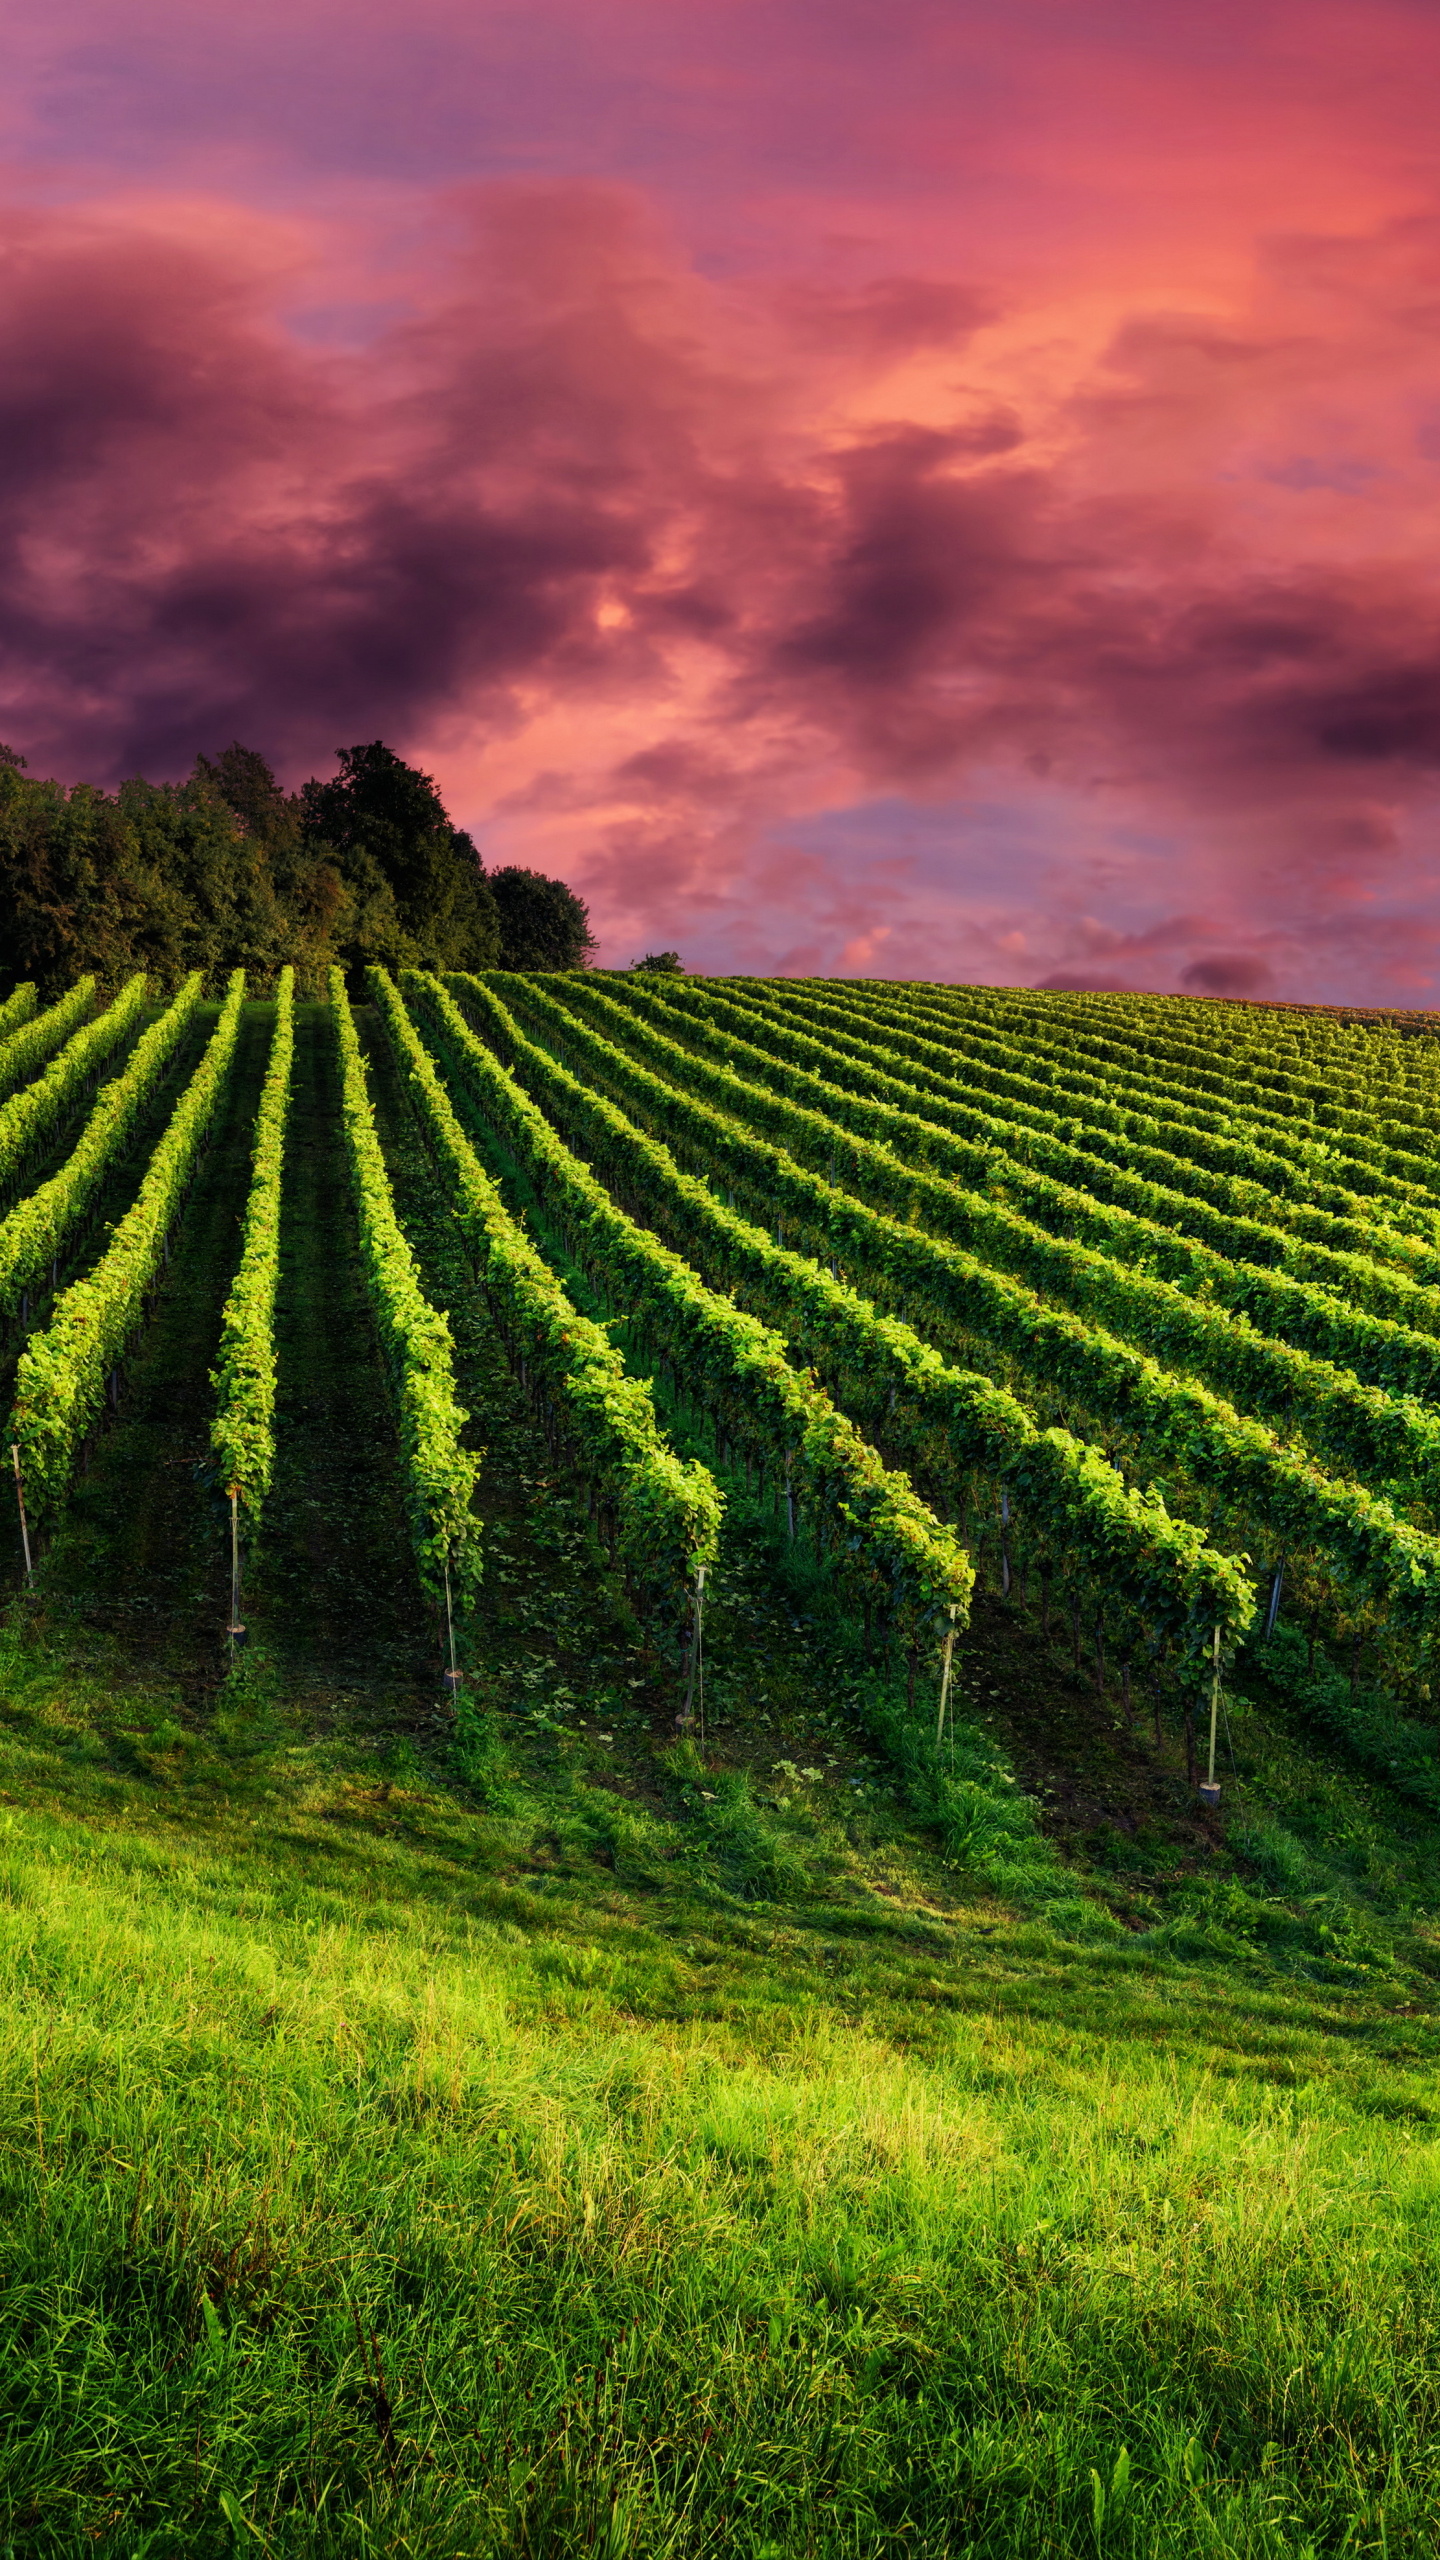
[1052, 1045]
[1106, 1546]
[663, 1513]
[31, 1116]
[1333, 1090]
[61, 1379]
[1282, 1161]
[886, 1545]
[18, 1007]
[1238, 1257]
[1113, 1159]
[439, 1471]
[1350, 1137]
[1255, 1492]
[32, 1235]
[1268, 1073]
[242, 1433]
[1359, 1427]
[1294, 1311]
[1400, 1050]
[39, 1038]
[1291, 1043]
[1175, 1040]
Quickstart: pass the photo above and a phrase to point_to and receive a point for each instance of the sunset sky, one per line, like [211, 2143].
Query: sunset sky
[890, 487]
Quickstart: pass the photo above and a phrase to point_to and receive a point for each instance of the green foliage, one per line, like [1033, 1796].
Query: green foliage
[32, 1115]
[1105, 1545]
[1281, 1066]
[1258, 1492]
[61, 1378]
[416, 889]
[659, 964]
[37, 1039]
[17, 1007]
[886, 1545]
[1274, 1180]
[1325, 1140]
[242, 1433]
[226, 870]
[543, 925]
[666, 1515]
[1103, 1263]
[1235, 1242]
[544, 2142]
[32, 1234]
[415, 1337]
[155, 876]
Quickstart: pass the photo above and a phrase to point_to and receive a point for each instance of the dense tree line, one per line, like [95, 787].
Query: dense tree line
[226, 871]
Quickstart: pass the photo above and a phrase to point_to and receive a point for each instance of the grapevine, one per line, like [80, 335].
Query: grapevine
[886, 1544]
[665, 1512]
[242, 1433]
[61, 1379]
[32, 1235]
[440, 1471]
[1253, 1487]
[39, 1038]
[1113, 1546]
[32, 1115]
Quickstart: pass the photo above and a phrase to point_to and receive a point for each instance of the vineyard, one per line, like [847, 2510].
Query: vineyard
[821, 1461]
[1125, 1311]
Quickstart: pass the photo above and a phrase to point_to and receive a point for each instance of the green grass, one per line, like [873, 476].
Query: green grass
[385, 2174]
[539, 2134]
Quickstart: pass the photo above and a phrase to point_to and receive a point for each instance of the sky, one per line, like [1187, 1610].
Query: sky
[902, 488]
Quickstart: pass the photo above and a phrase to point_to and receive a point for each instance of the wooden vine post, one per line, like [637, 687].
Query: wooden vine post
[452, 1676]
[24, 1523]
[694, 1707]
[946, 1663]
[1210, 1792]
[235, 1631]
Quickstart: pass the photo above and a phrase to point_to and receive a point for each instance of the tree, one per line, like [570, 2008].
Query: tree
[75, 891]
[306, 880]
[543, 925]
[246, 784]
[417, 893]
[658, 964]
[227, 870]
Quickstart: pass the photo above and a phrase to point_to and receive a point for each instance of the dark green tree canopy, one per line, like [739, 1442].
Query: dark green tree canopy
[543, 925]
[385, 824]
[227, 870]
[658, 964]
[245, 782]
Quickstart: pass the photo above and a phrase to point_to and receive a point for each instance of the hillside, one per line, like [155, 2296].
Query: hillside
[835, 2089]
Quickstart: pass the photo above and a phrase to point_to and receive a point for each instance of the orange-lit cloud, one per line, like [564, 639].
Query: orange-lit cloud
[937, 491]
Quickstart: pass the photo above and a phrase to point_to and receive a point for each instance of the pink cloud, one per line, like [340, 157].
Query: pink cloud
[1063, 484]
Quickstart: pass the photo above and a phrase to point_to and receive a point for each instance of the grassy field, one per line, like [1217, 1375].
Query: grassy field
[531, 2133]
